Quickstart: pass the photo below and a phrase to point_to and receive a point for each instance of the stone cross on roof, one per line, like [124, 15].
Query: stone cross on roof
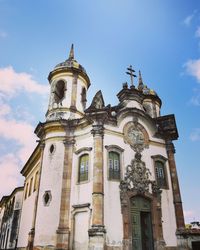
[130, 72]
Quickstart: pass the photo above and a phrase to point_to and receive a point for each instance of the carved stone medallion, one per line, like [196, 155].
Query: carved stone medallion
[136, 136]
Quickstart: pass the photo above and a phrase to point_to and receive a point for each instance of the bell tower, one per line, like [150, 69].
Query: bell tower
[69, 83]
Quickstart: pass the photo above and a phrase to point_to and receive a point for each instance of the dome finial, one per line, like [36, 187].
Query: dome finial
[140, 81]
[71, 53]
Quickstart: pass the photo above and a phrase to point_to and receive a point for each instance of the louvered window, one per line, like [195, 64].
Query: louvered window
[160, 174]
[83, 168]
[114, 166]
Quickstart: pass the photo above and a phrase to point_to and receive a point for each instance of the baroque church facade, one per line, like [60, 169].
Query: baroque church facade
[101, 177]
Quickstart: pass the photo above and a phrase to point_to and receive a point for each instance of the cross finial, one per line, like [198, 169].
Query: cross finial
[71, 53]
[130, 72]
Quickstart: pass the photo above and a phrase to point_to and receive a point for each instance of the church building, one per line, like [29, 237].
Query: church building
[101, 176]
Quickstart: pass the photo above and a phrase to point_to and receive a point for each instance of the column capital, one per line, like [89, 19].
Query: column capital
[69, 142]
[41, 144]
[97, 130]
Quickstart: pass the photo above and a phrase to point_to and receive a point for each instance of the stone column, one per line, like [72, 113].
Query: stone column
[63, 231]
[74, 92]
[159, 242]
[175, 186]
[97, 231]
[31, 234]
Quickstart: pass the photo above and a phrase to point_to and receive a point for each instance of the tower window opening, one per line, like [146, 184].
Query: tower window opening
[59, 91]
[83, 97]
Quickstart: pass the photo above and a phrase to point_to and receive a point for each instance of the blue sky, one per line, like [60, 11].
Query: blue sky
[161, 38]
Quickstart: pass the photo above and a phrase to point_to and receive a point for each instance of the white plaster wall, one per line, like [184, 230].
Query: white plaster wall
[81, 238]
[26, 220]
[51, 180]
[82, 192]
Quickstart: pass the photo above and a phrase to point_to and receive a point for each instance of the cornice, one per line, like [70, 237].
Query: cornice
[33, 159]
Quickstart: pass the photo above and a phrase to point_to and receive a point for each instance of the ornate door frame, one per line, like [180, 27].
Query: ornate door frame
[137, 183]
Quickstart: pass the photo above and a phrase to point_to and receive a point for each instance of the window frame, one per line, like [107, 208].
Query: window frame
[163, 161]
[80, 153]
[118, 150]
[86, 167]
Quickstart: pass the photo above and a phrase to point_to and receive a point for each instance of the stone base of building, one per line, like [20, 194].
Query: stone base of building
[188, 238]
[62, 240]
[97, 237]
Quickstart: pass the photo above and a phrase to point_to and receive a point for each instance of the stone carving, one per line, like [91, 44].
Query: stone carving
[135, 136]
[137, 178]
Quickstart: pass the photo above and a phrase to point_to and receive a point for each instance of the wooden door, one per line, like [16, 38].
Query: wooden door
[142, 237]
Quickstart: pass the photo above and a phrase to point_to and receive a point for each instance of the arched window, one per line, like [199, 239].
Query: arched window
[83, 168]
[114, 166]
[59, 91]
[160, 174]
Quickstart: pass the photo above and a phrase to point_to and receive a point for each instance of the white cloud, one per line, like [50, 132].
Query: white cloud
[9, 177]
[190, 216]
[195, 100]
[193, 68]
[15, 129]
[195, 135]
[197, 33]
[188, 20]
[13, 82]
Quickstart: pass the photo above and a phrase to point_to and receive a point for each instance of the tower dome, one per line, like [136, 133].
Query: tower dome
[151, 101]
[69, 84]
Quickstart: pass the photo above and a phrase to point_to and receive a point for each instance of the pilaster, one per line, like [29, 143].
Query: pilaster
[175, 186]
[97, 231]
[159, 242]
[31, 234]
[63, 231]
[74, 92]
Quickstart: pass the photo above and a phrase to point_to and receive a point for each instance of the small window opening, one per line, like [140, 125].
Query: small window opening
[52, 148]
[59, 91]
[47, 198]
[83, 97]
